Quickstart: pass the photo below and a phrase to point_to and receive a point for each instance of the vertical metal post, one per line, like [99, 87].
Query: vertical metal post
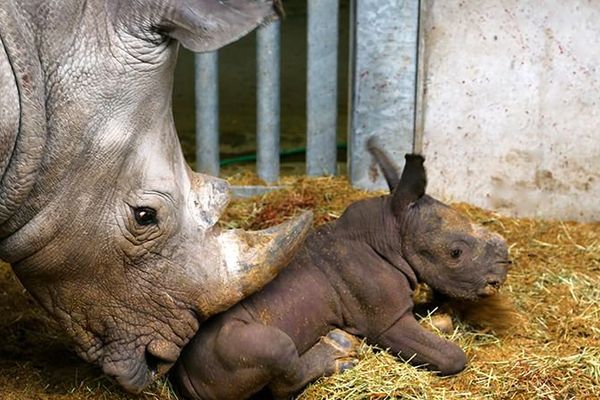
[207, 113]
[321, 108]
[420, 84]
[383, 83]
[268, 101]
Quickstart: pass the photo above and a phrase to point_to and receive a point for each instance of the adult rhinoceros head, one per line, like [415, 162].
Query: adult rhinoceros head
[100, 217]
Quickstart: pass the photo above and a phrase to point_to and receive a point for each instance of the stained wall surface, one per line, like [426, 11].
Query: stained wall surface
[512, 105]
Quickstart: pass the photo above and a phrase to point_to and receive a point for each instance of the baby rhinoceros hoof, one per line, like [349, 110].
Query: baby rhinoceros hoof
[340, 351]
[441, 322]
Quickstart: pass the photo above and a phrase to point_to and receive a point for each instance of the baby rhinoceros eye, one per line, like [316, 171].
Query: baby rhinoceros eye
[145, 216]
[455, 253]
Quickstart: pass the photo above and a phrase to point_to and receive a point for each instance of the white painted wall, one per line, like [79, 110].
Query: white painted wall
[512, 105]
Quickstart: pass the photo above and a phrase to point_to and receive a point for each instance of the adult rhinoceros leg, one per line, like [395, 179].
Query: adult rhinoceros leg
[421, 347]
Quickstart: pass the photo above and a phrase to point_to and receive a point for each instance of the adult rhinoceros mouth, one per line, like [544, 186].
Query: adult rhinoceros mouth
[136, 373]
[160, 356]
[134, 368]
[133, 374]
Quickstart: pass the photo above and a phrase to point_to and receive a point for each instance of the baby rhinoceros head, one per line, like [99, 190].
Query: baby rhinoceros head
[450, 253]
[446, 250]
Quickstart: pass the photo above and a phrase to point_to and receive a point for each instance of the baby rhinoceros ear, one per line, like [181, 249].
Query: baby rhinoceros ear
[387, 166]
[412, 183]
[207, 25]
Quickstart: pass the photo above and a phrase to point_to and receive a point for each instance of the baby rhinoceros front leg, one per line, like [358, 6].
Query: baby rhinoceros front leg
[238, 359]
[423, 348]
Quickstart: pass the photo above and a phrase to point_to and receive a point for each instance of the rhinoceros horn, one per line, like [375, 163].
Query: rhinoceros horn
[251, 259]
[243, 261]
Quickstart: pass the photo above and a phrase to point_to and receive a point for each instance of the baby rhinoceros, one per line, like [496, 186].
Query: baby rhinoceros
[353, 276]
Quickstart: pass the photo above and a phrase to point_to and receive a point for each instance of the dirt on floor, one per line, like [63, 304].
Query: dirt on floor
[552, 352]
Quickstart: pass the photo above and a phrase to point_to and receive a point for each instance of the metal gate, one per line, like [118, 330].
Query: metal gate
[383, 90]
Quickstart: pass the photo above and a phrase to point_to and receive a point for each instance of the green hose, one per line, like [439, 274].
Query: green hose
[284, 153]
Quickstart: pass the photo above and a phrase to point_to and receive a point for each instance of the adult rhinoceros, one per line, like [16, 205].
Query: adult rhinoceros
[100, 217]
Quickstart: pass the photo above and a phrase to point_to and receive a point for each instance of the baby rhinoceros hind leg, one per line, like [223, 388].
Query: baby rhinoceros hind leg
[234, 359]
[335, 352]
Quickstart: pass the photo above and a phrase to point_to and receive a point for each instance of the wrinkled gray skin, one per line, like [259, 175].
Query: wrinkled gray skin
[100, 217]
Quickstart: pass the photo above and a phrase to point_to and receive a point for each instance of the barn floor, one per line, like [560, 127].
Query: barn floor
[552, 352]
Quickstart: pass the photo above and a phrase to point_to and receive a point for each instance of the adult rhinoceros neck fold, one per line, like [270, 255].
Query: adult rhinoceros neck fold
[20, 167]
[250, 260]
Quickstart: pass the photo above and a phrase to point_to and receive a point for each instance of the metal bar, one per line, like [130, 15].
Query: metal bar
[384, 43]
[268, 101]
[242, 192]
[321, 107]
[207, 113]
[420, 84]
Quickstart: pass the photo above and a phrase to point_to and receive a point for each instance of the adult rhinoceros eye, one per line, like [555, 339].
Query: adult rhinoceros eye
[455, 253]
[145, 216]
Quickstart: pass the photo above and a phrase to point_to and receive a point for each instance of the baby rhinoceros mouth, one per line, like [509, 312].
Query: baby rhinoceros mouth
[494, 281]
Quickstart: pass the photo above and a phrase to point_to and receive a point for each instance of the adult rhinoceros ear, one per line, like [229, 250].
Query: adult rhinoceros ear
[412, 183]
[206, 25]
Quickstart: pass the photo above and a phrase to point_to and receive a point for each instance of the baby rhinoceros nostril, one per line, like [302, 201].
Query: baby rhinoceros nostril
[495, 283]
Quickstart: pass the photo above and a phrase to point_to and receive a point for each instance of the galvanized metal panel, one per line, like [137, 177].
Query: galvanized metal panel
[321, 110]
[268, 101]
[207, 113]
[383, 83]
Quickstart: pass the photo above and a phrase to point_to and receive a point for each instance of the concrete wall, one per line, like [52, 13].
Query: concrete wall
[512, 105]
